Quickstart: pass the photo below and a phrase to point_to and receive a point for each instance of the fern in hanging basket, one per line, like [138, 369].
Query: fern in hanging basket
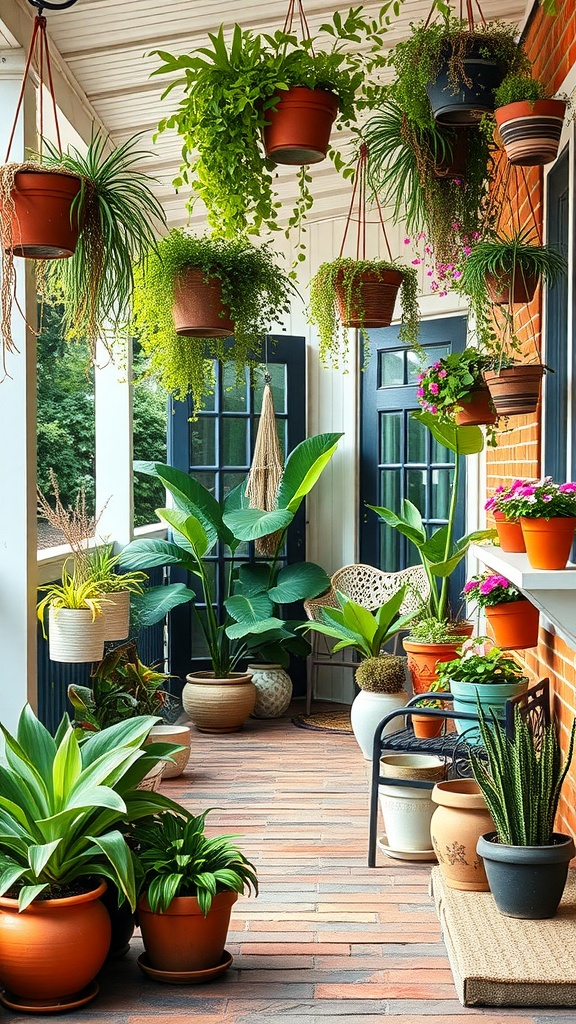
[343, 277]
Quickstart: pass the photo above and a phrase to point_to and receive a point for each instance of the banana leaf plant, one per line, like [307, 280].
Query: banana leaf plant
[440, 553]
[251, 624]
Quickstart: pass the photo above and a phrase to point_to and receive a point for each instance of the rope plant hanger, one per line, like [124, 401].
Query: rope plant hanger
[267, 467]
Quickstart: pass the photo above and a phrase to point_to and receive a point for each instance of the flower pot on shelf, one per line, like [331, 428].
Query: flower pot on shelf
[368, 709]
[527, 881]
[299, 127]
[406, 810]
[476, 409]
[181, 938]
[531, 130]
[273, 690]
[548, 541]
[472, 100]
[427, 727]
[515, 390]
[373, 301]
[179, 734]
[116, 613]
[198, 309]
[74, 636]
[514, 625]
[460, 818]
[509, 533]
[490, 696]
[43, 226]
[219, 705]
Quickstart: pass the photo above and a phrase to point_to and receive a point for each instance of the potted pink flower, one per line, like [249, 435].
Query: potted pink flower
[512, 618]
[547, 514]
[453, 389]
[509, 530]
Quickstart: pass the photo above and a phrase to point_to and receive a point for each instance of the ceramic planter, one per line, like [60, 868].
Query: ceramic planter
[515, 390]
[198, 309]
[122, 922]
[427, 727]
[299, 127]
[509, 533]
[512, 289]
[491, 696]
[423, 659]
[372, 301]
[470, 102]
[219, 705]
[273, 690]
[116, 613]
[181, 938]
[73, 636]
[548, 541]
[460, 818]
[527, 881]
[514, 624]
[153, 778]
[54, 949]
[43, 226]
[367, 712]
[407, 811]
[179, 734]
[530, 131]
[476, 409]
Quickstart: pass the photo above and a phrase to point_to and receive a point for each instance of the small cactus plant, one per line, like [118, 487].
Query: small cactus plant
[384, 674]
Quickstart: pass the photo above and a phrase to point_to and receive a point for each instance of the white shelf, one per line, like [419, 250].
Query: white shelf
[552, 591]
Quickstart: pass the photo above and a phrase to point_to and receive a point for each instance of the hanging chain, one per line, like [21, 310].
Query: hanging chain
[39, 48]
[359, 190]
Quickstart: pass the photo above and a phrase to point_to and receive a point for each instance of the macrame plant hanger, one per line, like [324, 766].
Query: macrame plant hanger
[359, 199]
[469, 13]
[267, 465]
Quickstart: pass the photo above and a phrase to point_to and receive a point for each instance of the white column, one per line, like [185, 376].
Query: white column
[18, 444]
[113, 411]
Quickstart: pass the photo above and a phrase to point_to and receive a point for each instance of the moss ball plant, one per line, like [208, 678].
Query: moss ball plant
[254, 289]
[385, 674]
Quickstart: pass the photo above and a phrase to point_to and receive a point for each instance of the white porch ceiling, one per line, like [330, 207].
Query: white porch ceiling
[101, 49]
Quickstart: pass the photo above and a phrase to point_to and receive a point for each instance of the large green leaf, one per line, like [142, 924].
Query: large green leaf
[194, 499]
[238, 630]
[38, 856]
[66, 768]
[249, 609]
[130, 733]
[404, 526]
[299, 581]
[149, 553]
[154, 604]
[303, 468]
[252, 523]
[358, 619]
[189, 526]
[36, 741]
[462, 440]
[254, 578]
[114, 847]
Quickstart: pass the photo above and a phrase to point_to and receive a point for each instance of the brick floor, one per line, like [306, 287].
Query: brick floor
[328, 938]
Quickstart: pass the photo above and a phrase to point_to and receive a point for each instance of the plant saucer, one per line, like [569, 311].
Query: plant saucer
[184, 977]
[25, 1005]
[404, 854]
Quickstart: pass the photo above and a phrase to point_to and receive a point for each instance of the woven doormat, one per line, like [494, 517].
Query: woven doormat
[326, 718]
[500, 961]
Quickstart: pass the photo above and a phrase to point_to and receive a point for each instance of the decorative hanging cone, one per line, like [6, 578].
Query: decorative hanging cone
[266, 469]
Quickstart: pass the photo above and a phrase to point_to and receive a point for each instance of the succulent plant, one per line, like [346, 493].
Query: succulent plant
[384, 674]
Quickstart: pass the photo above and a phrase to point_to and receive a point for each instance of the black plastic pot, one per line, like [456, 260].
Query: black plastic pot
[122, 920]
[467, 104]
[526, 881]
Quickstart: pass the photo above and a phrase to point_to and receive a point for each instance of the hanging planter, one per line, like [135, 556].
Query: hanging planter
[40, 219]
[476, 409]
[455, 164]
[299, 126]
[75, 635]
[513, 288]
[529, 124]
[370, 302]
[199, 310]
[473, 96]
[515, 390]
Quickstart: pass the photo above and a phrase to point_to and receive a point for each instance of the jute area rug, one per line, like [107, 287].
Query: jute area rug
[500, 961]
[326, 717]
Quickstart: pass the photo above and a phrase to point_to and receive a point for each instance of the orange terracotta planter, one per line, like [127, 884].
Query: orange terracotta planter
[423, 659]
[517, 289]
[516, 390]
[459, 820]
[477, 409]
[372, 303]
[548, 541]
[514, 624]
[42, 227]
[198, 309]
[182, 939]
[425, 727]
[54, 948]
[509, 533]
[299, 127]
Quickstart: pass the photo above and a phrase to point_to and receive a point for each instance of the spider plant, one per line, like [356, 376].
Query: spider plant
[71, 592]
[101, 565]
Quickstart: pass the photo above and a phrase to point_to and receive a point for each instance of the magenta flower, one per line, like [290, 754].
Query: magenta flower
[457, 274]
[416, 263]
[420, 392]
[470, 586]
[406, 241]
[434, 388]
[567, 488]
[442, 373]
[490, 504]
[434, 286]
[432, 409]
[420, 377]
[546, 497]
[526, 491]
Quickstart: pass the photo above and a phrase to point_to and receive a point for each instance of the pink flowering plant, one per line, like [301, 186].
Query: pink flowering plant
[542, 499]
[443, 385]
[490, 590]
[481, 662]
[500, 500]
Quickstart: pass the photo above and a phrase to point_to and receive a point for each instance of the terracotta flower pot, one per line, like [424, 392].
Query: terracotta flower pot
[530, 132]
[182, 939]
[517, 288]
[54, 948]
[372, 302]
[198, 309]
[455, 166]
[477, 408]
[514, 624]
[516, 390]
[299, 127]
[460, 818]
[219, 705]
[427, 727]
[548, 541]
[509, 533]
[42, 226]
[423, 658]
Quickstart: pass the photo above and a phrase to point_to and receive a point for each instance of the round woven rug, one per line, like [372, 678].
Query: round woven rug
[329, 718]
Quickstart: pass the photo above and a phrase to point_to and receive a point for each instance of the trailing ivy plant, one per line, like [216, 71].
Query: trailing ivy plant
[254, 289]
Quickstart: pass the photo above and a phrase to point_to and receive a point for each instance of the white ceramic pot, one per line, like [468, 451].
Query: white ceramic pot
[408, 811]
[179, 734]
[73, 637]
[117, 615]
[153, 778]
[273, 690]
[367, 712]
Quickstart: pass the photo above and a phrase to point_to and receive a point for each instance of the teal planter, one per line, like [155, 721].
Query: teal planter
[493, 696]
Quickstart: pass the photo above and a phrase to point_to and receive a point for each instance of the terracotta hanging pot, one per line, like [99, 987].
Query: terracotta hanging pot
[473, 99]
[372, 301]
[516, 288]
[460, 818]
[423, 658]
[42, 224]
[181, 938]
[198, 309]
[455, 165]
[509, 533]
[299, 127]
[54, 949]
[548, 541]
[477, 408]
[516, 390]
[427, 727]
[530, 132]
[219, 705]
[514, 625]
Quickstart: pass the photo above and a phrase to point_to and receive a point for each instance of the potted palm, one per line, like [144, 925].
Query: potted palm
[481, 674]
[529, 122]
[513, 618]
[526, 861]
[381, 677]
[547, 514]
[191, 294]
[189, 885]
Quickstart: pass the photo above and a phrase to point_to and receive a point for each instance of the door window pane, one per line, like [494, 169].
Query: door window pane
[390, 437]
[416, 488]
[390, 369]
[390, 489]
[234, 441]
[208, 480]
[277, 372]
[440, 493]
[416, 432]
[234, 392]
[440, 453]
[203, 442]
[389, 549]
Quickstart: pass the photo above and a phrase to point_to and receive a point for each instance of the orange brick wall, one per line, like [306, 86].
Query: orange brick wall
[551, 42]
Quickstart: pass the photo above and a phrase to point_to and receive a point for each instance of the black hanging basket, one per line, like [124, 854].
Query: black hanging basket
[468, 103]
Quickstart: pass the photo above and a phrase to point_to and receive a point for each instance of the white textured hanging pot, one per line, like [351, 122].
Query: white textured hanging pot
[117, 615]
[73, 636]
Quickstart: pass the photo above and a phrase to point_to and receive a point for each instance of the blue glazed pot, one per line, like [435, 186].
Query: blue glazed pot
[492, 696]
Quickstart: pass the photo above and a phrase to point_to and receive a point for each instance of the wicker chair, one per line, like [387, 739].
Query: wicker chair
[369, 587]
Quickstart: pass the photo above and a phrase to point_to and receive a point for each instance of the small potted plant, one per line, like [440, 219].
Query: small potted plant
[362, 294]
[76, 622]
[508, 527]
[453, 390]
[547, 514]
[428, 726]
[529, 122]
[513, 618]
[189, 885]
[481, 674]
[525, 859]
[192, 294]
[115, 588]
